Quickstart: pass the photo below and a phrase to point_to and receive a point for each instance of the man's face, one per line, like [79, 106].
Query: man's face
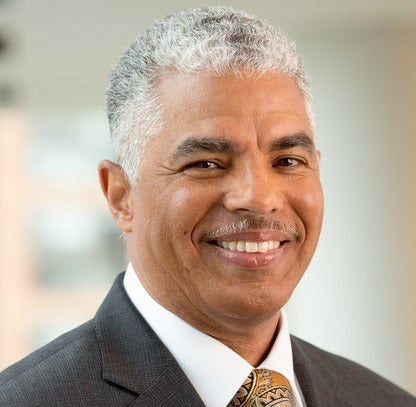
[228, 206]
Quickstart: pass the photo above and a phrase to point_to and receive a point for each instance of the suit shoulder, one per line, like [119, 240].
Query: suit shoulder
[348, 377]
[57, 373]
[66, 348]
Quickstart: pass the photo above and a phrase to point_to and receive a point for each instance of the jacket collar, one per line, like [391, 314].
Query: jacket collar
[316, 378]
[134, 358]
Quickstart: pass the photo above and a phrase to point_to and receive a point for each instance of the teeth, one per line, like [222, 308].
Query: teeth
[263, 247]
[241, 246]
[249, 247]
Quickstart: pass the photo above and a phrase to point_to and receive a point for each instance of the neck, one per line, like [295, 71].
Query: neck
[254, 343]
[252, 339]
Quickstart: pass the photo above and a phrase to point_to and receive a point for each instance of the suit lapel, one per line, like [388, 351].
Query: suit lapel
[316, 379]
[172, 389]
[134, 358]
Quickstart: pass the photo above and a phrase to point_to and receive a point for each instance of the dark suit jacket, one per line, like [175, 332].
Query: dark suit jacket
[117, 360]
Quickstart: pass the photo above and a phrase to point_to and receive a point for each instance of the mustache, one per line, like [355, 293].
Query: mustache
[249, 225]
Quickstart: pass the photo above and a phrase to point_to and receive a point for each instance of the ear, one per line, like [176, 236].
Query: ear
[117, 189]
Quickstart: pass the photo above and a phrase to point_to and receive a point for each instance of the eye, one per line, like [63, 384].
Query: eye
[287, 162]
[203, 165]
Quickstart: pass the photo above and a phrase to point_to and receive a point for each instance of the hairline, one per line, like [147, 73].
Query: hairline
[136, 110]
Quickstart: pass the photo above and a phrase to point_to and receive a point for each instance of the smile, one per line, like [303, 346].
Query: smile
[248, 247]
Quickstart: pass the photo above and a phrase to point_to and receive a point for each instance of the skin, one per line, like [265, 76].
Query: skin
[233, 148]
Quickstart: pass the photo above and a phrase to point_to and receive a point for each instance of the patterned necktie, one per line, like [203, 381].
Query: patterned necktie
[263, 388]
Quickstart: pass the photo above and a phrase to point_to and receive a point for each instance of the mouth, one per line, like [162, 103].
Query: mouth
[250, 253]
[248, 246]
[251, 243]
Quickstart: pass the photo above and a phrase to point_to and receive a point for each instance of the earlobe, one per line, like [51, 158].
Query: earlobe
[116, 188]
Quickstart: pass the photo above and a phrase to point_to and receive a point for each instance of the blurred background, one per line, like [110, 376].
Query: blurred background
[59, 248]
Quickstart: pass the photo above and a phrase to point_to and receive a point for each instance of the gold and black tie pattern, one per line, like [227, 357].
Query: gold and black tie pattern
[263, 388]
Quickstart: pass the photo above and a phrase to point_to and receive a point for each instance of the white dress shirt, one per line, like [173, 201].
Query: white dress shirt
[216, 371]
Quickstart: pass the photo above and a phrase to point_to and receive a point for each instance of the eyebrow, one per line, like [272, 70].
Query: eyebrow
[194, 145]
[296, 140]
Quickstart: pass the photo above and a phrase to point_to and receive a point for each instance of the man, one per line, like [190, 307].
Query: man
[216, 186]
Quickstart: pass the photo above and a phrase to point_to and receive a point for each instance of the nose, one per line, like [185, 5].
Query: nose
[253, 187]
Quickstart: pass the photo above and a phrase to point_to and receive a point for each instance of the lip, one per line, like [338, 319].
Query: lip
[254, 236]
[250, 260]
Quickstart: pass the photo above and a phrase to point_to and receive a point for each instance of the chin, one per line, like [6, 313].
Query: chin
[262, 304]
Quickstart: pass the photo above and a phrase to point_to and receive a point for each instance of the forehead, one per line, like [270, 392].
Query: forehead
[231, 107]
[231, 93]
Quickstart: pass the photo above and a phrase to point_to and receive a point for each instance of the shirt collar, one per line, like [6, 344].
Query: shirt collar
[202, 357]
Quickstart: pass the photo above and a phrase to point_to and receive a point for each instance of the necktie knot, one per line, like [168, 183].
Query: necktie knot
[263, 388]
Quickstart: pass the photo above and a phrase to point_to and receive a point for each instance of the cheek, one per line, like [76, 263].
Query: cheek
[309, 205]
[186, 207]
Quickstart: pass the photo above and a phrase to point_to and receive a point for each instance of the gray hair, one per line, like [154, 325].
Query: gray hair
[213, 40]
